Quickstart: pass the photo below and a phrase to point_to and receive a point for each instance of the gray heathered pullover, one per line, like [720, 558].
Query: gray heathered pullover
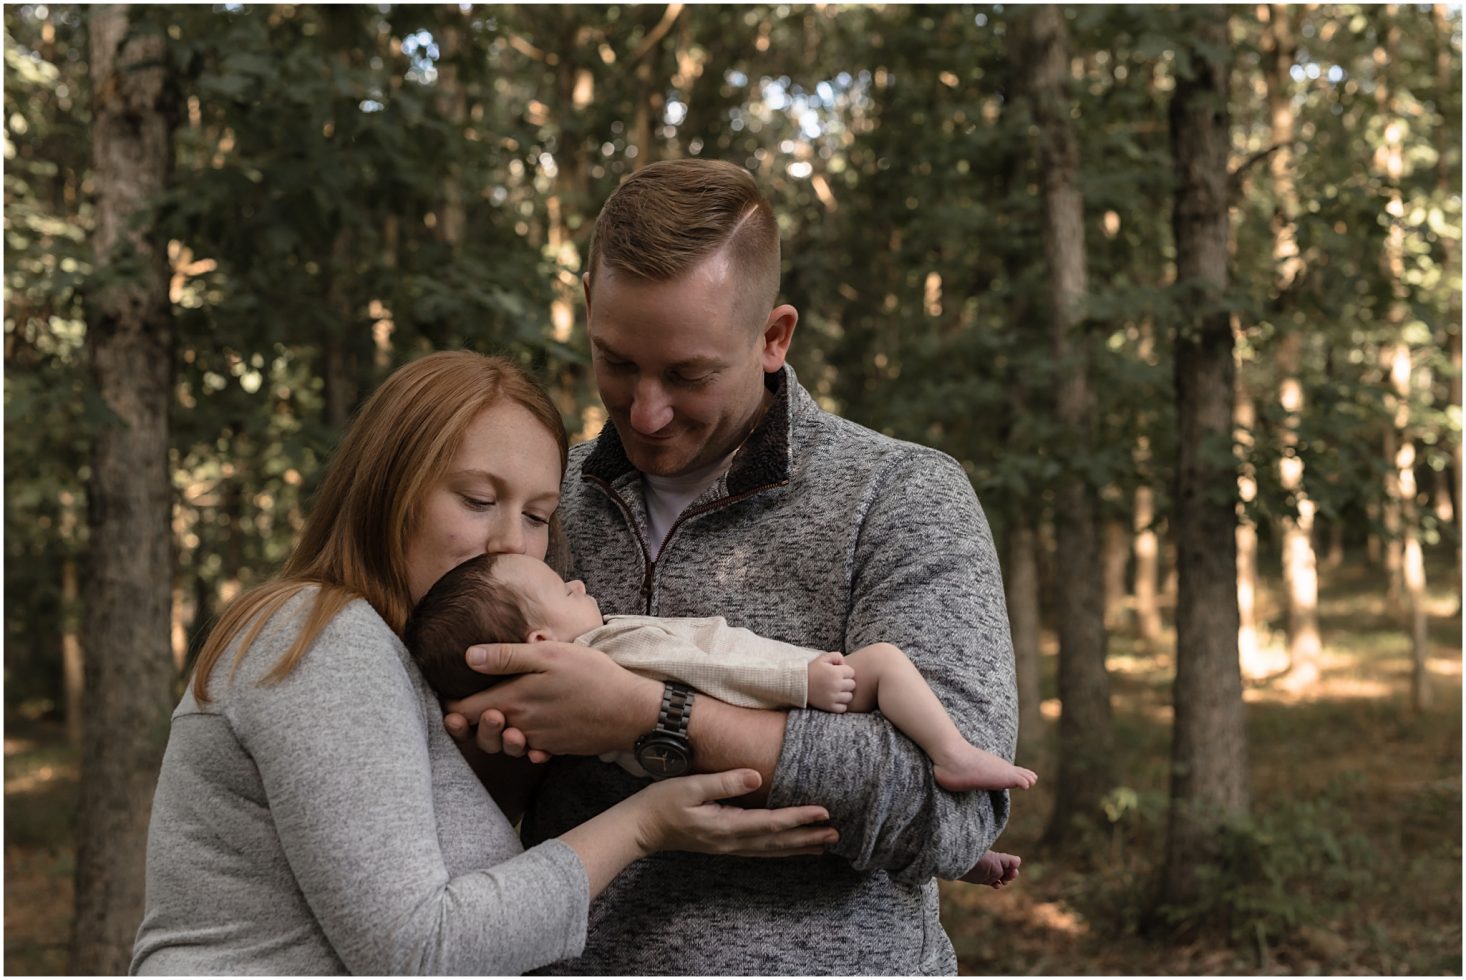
[828, 535]
[327, 824]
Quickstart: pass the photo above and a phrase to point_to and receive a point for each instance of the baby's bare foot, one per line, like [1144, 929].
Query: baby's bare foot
[994, 868]
[968, 767]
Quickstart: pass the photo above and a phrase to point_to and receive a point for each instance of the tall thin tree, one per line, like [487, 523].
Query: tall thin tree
[1083, 778]
[130, 351]
[1209, 744]
[1300, 564]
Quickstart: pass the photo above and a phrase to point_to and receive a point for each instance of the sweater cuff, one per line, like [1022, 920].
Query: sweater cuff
[561, 873]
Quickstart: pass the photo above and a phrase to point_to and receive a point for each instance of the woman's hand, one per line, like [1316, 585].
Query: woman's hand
[684, 814]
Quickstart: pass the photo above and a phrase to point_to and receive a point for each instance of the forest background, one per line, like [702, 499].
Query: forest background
[1178, 286]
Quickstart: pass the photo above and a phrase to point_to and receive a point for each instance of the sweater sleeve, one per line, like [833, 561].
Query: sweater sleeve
[926, 578]
[341, 747]
[729, 663]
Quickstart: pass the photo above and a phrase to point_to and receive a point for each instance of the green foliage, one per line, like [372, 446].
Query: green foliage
[356, 185]
[1293, 864]
[1296, 864]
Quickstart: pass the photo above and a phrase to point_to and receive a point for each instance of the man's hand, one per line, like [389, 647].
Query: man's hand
[566, 699]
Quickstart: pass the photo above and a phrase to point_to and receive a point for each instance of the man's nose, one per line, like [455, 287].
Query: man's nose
[651, 410]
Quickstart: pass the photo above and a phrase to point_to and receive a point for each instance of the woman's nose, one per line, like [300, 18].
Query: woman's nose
[577, 586]
[506, 537]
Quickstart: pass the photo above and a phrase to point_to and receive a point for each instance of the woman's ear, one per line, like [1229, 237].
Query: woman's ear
[538, 636]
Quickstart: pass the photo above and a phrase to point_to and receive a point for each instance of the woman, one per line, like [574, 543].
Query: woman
[312, 816]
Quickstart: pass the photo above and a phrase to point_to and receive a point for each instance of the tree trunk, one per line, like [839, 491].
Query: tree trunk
[130, 354]
[1084, 775]
[1117, 561]
[338, 372]
[1249, 649]
[1147, 564]
[1405, 560]
[73, 667]
[1446, 76]
[1300, 564]
[453, 107]
[1209, 745]
[1021, 565]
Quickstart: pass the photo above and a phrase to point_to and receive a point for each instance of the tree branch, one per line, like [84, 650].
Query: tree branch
[655, 35]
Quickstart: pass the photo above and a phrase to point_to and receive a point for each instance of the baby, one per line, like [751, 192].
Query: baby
[515, 598]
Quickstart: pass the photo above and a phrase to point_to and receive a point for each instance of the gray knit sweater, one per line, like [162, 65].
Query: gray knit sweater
[827, 535]
[327, 824]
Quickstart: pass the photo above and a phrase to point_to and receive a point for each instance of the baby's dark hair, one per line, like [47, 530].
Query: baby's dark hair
[466, 606]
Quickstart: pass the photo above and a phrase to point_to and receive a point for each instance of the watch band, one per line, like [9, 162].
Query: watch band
[676, 710]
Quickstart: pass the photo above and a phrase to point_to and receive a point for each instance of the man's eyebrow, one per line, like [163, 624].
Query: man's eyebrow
[701, 361]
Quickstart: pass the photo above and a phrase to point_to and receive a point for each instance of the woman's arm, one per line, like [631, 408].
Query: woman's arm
[342, 749]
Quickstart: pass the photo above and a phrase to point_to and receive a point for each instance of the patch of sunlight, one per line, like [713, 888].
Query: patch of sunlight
[1162, 711]
[1052, 915]
[30, 781]
[1264, 662]
[1051, 709]
[1139, 662]
[15, 746]
[1446, 666]
[1341, 687]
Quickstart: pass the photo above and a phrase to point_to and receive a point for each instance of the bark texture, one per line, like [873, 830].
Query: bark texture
[1209, 748]
[1084, 770]
[1021, 584]
[126, 626]
[1300, 564]
[1404, 558]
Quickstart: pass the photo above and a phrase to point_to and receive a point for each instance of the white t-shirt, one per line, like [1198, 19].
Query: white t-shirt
[668, 496]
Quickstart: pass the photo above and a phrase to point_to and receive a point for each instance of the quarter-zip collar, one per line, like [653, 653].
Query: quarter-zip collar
[763, 461]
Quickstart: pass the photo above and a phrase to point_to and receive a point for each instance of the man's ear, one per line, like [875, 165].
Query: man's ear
[537, 636]
[777, 333]
[585, 287]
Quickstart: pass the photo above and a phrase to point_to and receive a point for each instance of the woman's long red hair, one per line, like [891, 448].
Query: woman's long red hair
[354, 544]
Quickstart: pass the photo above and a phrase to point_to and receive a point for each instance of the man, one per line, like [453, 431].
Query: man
[719, 488]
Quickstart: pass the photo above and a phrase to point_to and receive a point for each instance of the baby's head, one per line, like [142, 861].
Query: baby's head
[492, 599]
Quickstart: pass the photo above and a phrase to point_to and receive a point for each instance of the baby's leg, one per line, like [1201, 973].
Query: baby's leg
[887, 679]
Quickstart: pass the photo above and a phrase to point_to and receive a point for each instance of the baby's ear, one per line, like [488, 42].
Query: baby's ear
[538, 636]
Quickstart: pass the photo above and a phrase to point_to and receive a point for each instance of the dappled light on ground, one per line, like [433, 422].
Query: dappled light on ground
[1356, 854]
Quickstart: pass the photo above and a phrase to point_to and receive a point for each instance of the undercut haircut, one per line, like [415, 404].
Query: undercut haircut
[668, 217]
[464, 607]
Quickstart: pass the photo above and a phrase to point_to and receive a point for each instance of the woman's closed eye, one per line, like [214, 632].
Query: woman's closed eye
[476, 503]
[537, 519]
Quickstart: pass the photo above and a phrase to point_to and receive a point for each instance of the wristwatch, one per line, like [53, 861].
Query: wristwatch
[665, 751]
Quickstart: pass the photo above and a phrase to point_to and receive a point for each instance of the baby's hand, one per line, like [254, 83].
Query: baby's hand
[831, 683]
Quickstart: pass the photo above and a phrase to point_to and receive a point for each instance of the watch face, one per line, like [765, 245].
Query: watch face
[662, 757]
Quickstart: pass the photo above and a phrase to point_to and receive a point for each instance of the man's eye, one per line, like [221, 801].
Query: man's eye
[687, 382]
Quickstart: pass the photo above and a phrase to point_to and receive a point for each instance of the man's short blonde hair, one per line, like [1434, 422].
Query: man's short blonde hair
[668, 217]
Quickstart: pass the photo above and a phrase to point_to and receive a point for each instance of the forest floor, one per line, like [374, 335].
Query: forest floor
[1351, 866]
[1351, 863]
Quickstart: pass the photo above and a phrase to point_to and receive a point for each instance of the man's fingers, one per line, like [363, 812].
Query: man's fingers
[514, 743]
[456, 726]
